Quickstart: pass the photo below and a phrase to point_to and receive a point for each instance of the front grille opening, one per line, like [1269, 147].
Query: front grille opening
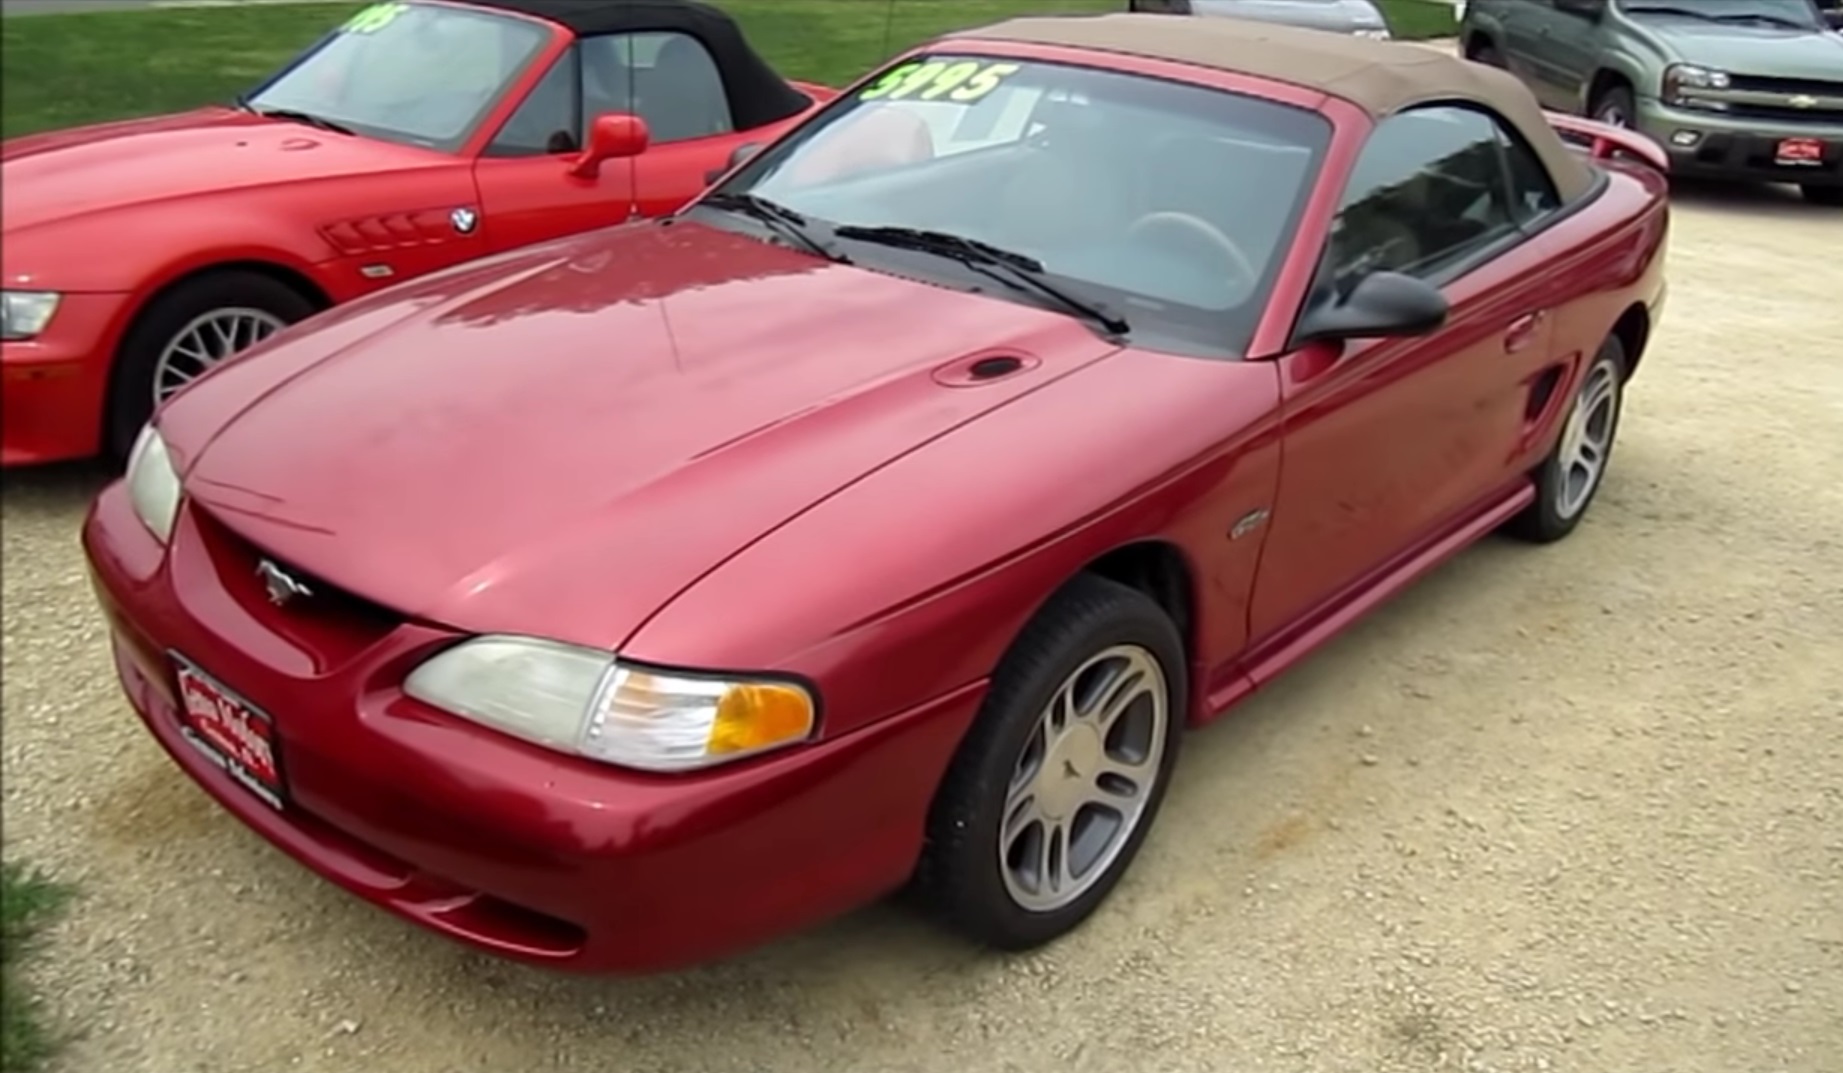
[333, 623]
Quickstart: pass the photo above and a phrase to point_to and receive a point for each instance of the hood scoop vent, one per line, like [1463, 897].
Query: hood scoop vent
[977, 370]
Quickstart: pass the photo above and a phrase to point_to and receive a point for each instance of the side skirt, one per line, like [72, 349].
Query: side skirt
[1266, 660]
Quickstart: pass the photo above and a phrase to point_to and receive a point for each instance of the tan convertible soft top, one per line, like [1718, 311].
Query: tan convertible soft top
[1381, 77]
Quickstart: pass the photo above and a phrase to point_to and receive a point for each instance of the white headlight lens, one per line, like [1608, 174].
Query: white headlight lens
[583, 701]
[153, 484]
[24, 314]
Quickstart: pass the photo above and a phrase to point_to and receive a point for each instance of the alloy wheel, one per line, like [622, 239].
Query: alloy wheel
[207, 340]
[1084, 779]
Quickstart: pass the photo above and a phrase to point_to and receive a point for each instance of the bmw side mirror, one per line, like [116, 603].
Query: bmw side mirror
[1382, 305]
[612, 136]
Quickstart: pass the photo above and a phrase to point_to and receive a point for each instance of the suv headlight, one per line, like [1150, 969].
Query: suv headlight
[1681, 80]
[153, 484]
[586, 702]
[24, 314]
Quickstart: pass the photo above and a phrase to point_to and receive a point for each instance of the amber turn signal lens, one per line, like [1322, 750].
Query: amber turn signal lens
[758, 715]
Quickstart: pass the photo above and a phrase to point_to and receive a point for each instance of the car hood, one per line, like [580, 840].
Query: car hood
[561, 441]
[1757, 50]
[66, 173]
[1341, 15]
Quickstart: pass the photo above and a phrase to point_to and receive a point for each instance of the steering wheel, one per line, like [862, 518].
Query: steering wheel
[1185, 231]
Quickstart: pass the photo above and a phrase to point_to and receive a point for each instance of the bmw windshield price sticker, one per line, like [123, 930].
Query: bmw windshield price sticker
[374, 18]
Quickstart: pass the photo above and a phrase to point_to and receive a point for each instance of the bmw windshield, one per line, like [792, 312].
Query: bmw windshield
[1157, 210]
[420, 74]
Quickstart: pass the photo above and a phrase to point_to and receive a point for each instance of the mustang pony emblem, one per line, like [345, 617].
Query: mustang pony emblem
[280, 585]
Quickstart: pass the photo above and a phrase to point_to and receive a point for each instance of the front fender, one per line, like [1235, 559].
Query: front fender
[915, 580]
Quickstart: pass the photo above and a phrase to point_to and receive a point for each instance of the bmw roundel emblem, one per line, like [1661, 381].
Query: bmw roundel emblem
[464, 220]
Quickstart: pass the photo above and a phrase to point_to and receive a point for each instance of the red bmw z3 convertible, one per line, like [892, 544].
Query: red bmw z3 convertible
[887, 515]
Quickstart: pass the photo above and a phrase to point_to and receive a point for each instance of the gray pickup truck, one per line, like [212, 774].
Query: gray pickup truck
[1732, 89]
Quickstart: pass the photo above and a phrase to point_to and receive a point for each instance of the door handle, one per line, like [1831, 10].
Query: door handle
[1522, 331]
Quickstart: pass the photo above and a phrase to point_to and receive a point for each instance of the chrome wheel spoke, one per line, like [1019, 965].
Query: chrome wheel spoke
[207, 340]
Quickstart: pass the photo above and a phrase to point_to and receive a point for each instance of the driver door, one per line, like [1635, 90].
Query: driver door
[527, 191]
[1388, 441]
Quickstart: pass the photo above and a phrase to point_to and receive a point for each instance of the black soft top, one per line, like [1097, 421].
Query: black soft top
[757, 95]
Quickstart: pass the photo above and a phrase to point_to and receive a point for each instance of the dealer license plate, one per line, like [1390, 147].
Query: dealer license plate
[230, 731]
[1800, 152]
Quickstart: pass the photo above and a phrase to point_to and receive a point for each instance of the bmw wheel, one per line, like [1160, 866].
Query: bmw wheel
[185, 331]
[1059, 780]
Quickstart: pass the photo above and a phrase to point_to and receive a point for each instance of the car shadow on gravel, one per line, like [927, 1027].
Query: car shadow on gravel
[1764, 200]
[48, 490]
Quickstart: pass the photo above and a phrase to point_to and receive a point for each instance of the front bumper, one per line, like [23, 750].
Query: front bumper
[525, 853]
[1728, 148]
[55, 386]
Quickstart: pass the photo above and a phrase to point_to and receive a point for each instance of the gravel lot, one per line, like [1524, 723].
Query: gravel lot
[1578, 808]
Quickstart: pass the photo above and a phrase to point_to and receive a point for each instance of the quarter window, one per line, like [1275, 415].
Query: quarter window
[1434, 187]
[668, 79]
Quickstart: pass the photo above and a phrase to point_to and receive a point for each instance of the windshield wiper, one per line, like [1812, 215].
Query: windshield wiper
[983, 257]
[319, 122]
[780, 219]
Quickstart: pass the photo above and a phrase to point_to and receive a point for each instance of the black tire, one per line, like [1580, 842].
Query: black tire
[1827, 196]
[960, 879]
[1615, 106]
[1547, 520]
[131, 384]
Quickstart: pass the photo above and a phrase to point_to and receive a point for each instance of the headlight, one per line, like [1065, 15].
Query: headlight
[24, 314]
[586, 702]
[153, 484]
[1377, 33]
[1682, 79]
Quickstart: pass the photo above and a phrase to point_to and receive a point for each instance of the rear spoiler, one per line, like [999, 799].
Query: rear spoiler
[1604, 142]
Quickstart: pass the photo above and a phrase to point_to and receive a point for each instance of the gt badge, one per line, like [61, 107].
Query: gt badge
[464, 220]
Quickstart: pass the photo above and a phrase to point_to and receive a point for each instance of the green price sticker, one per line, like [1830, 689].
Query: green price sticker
[963, 82]
[374, 18]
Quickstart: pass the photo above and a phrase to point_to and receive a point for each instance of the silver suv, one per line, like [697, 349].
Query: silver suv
[1733, 89]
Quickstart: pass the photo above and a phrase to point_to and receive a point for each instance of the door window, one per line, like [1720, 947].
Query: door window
[1434, 188]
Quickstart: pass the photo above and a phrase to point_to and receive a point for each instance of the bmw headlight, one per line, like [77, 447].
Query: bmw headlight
[586, 702]
[153, 483]
[1682, 80]
[24, 314]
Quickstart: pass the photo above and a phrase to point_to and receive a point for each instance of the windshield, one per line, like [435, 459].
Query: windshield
[1170, 204]
[1788, 12]
[423, 74]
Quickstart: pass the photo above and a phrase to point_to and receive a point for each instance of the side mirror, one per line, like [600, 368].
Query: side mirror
[1382, 305]
[737, 159]
[612, 136]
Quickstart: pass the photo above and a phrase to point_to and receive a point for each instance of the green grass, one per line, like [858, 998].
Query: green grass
[65, 70]
[28, 902]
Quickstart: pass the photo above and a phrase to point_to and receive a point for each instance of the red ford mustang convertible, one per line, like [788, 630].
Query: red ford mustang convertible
[886, 515]
[416, 136]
